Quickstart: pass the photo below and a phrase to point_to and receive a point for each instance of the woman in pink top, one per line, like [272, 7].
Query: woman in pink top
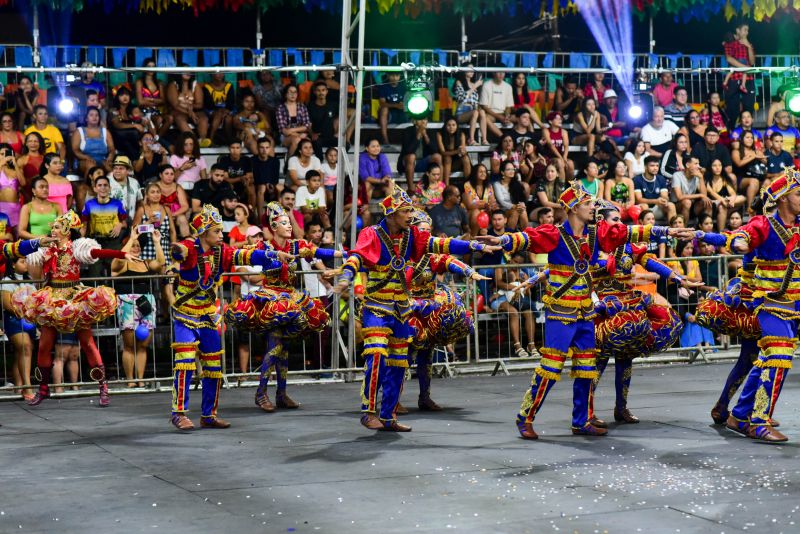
[190, 168]
[60, 187]
[9, 184]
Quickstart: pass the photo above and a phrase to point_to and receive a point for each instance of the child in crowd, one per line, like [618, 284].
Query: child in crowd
[330, 174]
[310, 199]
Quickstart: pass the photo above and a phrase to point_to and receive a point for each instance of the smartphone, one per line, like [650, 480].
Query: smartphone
[145, 228]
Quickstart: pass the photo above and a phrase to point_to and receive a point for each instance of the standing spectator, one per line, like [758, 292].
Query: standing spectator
[430, 189]
[123, 187]
[568, 100]
[153, 212]
[524, 99]
[152, 156]
[510, 196]
[657, 134]
[190, 168]
[664, 90]
[722, 192]
[390, 96]
[505, 280]
[449, 217]
[466, 90]
[674, 158]
[679, 106]
[659, 246]
[20, 332]
[173, 197]
[36, 216]
[750, 166]
[268, 92]
[374, 172]
[548, 192]
[452, 145]
[92, 144]
[323, 114]
[53, 141]
[635, 154]
[714, 115]
[240, 172]
[330, 176]
[9, 134]
[478, 196]
[497, 103]
[652, 192]
[185, 102]
[250, 123]
[740, 94]
[311, 200]
[746, 125]
[596, 88]
[150, 95]
[693, 128]
[266, 174]
[689, 190]
[104, 219]
[619, 190]
[710, 149]
[418, 151]
[126, 124]
[556, 146]
[777, 158]
[294, 124]
[220, 103]
[301, 162]
[60, 187]
[505, 151]
[209, 191]
[25, 100]
[586, 126]
[11, 181]
[790, 134]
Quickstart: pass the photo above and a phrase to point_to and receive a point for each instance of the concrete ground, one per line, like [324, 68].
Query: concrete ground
[69, 466]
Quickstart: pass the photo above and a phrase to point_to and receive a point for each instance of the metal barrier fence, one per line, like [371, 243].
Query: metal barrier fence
[500, 321]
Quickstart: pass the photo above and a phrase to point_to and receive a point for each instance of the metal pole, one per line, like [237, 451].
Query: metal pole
[463, 35]
[260, 58]
[36, 43]
[652, 41]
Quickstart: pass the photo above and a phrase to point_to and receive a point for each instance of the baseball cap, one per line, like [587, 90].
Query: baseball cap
[252, 230]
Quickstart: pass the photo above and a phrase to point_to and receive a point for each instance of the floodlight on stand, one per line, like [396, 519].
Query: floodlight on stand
[635, 111]
[792, 99]
[66, 106]
[418, 100]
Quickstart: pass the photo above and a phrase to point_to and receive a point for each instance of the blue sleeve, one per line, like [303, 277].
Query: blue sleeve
[661, 269]
[86, 212]
[386, 170]
[718, 240]
[266, 259]
[324, 253]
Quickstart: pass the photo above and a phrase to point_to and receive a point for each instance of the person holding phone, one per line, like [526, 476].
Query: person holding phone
[10, 181]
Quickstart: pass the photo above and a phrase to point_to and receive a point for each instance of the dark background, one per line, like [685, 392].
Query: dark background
[295, 27]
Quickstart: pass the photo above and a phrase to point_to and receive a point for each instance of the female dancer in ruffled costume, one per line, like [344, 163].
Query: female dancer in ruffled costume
[63, 304]
[280, 309]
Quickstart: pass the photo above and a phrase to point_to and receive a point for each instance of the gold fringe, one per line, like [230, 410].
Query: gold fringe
[548, 374]
[184, 345]
[184, 367]
[584, 374]
[392, 362]
[773, 364]
[212, 374]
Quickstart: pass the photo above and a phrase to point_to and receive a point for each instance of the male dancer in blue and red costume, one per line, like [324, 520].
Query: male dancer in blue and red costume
[572, 247]
[775, 241]
[196, 323]
[385, 251]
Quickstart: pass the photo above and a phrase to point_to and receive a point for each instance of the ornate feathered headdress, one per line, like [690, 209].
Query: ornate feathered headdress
[783, 185]
[274, 212]
[602, 206]
[206, 219]
[421, 217]
[70, 220]
[575, 194]
[398, 200]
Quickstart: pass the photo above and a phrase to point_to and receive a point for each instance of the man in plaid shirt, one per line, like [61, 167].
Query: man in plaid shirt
[739, 95]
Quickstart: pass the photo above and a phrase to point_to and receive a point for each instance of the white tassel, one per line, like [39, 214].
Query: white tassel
[82, 250]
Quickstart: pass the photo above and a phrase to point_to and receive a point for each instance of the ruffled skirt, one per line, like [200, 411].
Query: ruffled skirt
[635, 326]
[442, 320]
[293, 312]
[713, 313]
[66, 309]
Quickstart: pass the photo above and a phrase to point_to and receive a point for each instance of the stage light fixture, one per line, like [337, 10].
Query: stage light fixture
[418, 100]
[66, 106]
[792, 100]
[635, 111]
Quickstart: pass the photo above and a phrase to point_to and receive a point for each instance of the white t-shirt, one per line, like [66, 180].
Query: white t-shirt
[310, 200]
[10, 288]
[498, 97]
[688, 186]
[312, 282]
[661, 136]
[129, 192]
[297, 166]
[638, 166]
[329, 176]
[247, 287]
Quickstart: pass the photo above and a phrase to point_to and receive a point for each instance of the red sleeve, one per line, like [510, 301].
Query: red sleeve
[756, 231]
[542, 239]
[368, 246]
[611, 236]
[105, 254]
[638, 251]
[439, 263]
[420, 243]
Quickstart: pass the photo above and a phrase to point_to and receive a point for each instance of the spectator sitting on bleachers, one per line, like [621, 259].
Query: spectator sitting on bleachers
[323, 113]
[510, 195]
[635, 154]
[418, 151]
[710, 149]
[689, 190]
[240, 172]
[619, 190]
[568, 100]
[556, 146]
[25, 99]
[9, 134]
[478, 196]
[125, 124]
[466, 90]
[523, 128]
[657, 134]
[674, 159]
[430, 189]
[60, 187]
[151, 211]
[92, 145]
[452, 148]
[87, 81]
[714, 115]
[185, 103]
[173, 197]
[616, 128]
[679, 107]
[374, 172]
[310, 199]
[506, 150]
[53, 140]
[586, 126]
[152, 155]
[548, 192]
[330, 175]
[658, 247]
[250, 124]
[525, 100]
[391, 111]
[497, 103]
[722, 192]
[266, 174]
[220, 102]
[36, 216]
[210, 191]
[652, 191]
[790, 134]
[124, 187]
[591, 180]
[294, 124]
[746, 125]
[664, 90]
[449, 217]
[150, 95]
[11, 179]
[693, 128]
[190, 168]
[268, 92]
[777, 158]
[531, 164]
[229, 201]
[505, 300]
[596, 88]
[750, 166]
